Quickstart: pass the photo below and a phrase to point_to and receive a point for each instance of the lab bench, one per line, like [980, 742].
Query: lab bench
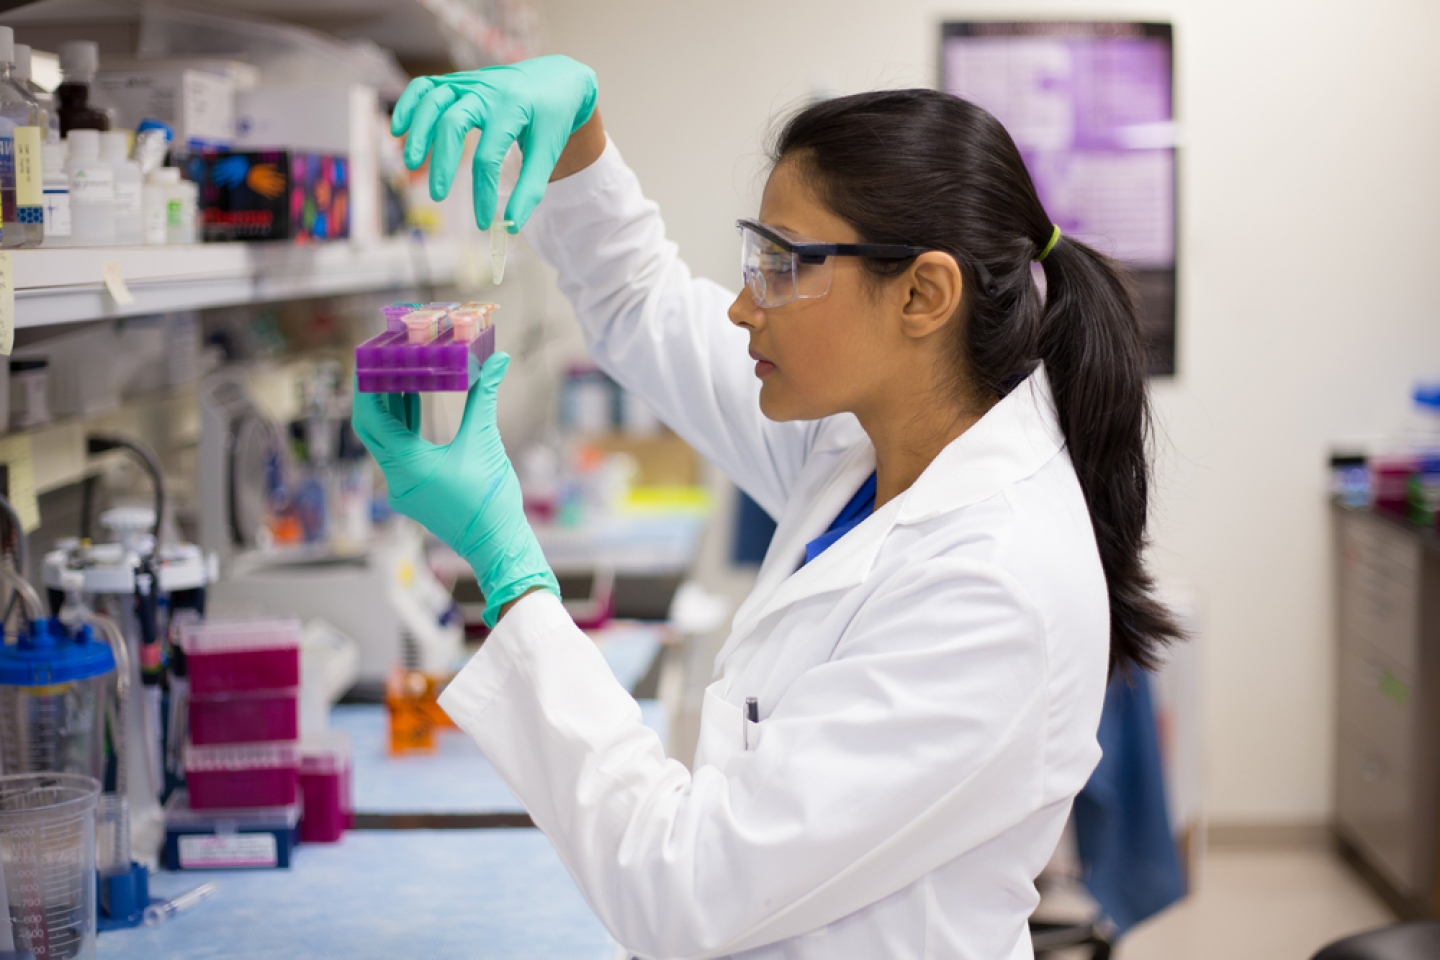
[1387, 768]
[388, 893]
[382, 895]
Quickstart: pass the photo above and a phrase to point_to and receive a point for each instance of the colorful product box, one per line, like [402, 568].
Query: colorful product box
[272, 195]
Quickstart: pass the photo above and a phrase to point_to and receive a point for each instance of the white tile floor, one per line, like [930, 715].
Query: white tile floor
[1260, 905]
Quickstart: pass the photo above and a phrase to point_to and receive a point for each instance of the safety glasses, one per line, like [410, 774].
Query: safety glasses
[778, 269]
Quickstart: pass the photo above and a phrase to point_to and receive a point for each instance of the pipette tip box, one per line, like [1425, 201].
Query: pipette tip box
[245, 717]
[325, 788]
[242, 775]
[231, 656]
[228, 839]
[426, 348]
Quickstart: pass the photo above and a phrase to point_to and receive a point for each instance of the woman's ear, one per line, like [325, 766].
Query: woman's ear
[935, 288]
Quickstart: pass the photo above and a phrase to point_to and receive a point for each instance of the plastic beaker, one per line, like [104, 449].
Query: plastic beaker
[47, 849]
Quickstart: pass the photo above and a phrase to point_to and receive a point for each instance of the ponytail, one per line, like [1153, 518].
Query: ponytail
[1090, 340]
[928, 169]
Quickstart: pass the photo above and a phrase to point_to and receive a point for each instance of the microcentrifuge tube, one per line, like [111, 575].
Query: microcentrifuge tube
[499, 241]
[158, 913]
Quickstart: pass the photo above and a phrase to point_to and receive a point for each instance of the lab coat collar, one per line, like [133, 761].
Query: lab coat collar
[1017, 437]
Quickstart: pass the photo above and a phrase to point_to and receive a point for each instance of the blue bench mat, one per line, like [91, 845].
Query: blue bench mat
[383, 895]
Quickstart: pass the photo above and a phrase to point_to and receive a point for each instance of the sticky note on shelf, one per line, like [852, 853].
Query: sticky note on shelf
[19, 461]
[114, 278]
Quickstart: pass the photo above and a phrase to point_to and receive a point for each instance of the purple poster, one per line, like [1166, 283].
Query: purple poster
[1089, 105]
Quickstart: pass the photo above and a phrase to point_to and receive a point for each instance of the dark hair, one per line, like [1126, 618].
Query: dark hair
[932, 170]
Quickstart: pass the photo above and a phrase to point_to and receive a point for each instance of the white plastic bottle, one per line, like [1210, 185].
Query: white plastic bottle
[115, 150]
[181, 226]
[92, 191]
[56, 186]
[155, 204]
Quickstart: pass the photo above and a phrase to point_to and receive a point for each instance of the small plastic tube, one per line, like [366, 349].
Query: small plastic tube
[499, 247]
[471, 320]
[422, 326]
[158, 913]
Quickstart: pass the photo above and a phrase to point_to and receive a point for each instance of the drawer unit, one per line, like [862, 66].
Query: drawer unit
[1374, 808]
[1387, 763]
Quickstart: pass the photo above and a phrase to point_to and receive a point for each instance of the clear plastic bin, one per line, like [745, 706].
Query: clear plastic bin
[47, 847]
[325, 788]
[235, 839]
[229, 656]
[248, 717]
[242, 775]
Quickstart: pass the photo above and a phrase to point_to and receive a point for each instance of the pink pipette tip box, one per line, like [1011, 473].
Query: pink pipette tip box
[404, 359]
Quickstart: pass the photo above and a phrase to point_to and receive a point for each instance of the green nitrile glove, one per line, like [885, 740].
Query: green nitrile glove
[464, 492]
[538, 103]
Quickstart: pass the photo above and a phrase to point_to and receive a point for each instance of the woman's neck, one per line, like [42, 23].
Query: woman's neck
[908, 433]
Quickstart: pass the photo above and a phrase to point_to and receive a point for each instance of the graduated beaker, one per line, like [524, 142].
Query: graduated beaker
[47, 850]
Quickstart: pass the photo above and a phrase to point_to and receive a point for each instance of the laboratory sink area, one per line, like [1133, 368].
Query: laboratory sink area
[520, 479]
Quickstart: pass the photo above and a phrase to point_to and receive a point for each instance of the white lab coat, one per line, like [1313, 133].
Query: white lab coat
[929, 688]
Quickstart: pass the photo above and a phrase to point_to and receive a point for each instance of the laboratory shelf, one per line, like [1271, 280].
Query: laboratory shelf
[67, 285]
[382, 895]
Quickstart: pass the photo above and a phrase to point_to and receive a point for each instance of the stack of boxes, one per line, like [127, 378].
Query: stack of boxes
[244, 762]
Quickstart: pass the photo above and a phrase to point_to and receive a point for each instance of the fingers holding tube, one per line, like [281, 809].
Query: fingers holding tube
[421, 127]
[415, 91]
[448, 142]
[502, 130]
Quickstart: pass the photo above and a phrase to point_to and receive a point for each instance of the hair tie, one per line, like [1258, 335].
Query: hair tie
[1054, 239]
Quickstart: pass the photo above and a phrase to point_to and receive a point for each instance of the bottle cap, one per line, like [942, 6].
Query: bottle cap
[79, 57]
[165, 175]
[7, 45]
[115, 146]
[1428, 395]
[84, 144]
[22, 61]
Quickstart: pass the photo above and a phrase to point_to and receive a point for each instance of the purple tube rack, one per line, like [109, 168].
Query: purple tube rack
[389, 363]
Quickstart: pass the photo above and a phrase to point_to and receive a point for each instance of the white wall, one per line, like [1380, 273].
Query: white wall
[1309, 204]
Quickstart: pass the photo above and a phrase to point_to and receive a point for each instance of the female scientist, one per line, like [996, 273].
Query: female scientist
[908, 701]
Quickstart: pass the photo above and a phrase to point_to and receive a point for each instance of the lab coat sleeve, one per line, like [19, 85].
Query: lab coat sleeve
[920, 740]
[660, 332]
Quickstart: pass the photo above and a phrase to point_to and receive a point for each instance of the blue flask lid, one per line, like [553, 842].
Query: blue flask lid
[49, 653]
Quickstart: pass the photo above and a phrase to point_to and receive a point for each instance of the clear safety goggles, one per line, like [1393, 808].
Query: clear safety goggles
[778, 268]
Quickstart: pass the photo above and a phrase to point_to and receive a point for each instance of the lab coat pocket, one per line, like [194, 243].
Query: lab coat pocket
[721, 733]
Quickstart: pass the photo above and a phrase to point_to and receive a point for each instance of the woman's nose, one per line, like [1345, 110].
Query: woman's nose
[744, 313]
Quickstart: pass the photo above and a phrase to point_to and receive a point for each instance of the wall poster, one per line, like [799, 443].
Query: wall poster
[1090, 106]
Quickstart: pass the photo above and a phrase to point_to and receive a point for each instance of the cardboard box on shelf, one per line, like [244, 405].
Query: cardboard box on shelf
[272, 195]
[198, 104]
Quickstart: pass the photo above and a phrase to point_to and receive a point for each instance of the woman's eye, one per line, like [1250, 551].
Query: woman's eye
[775, 263]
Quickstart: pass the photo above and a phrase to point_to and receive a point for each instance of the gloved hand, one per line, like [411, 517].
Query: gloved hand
[465, 492]
[538, 102]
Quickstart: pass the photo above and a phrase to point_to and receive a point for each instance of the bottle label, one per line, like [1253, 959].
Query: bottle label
[127, 199]
[7, 179]
[57, 213]
[29, 196]
[175, 213]
[91, 186]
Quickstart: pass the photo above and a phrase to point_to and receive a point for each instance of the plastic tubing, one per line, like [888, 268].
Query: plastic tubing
[113, 636]
[34, 609]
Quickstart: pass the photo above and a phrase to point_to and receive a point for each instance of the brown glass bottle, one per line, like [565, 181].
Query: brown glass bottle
[79, 60]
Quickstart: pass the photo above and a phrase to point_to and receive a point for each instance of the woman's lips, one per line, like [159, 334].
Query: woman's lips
[762, 365]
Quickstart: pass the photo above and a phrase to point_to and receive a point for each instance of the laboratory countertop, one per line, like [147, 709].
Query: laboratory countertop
[388, 894]
[382, 895]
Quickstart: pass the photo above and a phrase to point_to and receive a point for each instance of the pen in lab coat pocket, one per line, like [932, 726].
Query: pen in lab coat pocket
[752, 714]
